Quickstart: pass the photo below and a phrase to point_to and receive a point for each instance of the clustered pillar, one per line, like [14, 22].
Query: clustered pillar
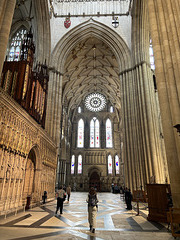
[164, 23]
[6, 13]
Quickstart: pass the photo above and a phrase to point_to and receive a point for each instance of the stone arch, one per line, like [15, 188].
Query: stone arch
[32, 175]
[90, 28]
[85, 30]
[94, 174]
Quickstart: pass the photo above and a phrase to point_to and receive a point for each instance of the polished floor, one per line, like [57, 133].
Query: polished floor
[114, 222]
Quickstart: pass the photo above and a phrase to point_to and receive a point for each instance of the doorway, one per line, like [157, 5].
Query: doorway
[94, 181]
[29, 177]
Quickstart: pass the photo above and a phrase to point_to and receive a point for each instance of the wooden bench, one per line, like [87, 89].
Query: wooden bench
[173, 217]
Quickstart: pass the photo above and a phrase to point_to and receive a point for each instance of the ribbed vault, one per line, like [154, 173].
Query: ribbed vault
[92, 56]
[91, 67]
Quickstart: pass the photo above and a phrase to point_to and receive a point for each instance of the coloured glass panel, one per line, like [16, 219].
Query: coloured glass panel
[94, 133]
[108, 134]
[109, 164]
[72, 164]
[80, 143]
[117, 164]
[79, 164]
[15, 46]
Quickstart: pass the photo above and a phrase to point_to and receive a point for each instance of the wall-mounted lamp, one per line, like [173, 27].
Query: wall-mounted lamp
[177, 126]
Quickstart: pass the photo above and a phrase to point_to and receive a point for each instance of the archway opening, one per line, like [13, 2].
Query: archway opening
[94, 181]
[29, 177]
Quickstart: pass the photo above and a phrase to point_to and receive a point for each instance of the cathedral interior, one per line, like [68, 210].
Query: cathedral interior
[89, 97]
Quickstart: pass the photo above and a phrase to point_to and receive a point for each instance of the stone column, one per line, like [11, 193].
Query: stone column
[164, 23]
[6, 13]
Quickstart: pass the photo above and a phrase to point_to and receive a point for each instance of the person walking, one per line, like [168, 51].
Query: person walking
[68, 190]
[60, 200]
[92, 201]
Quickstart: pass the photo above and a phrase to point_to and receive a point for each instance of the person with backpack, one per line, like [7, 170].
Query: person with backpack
[92, 201]
[61, 195]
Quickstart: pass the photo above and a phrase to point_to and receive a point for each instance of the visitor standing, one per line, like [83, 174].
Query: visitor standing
[128, 198]
[60, 200]
[92, 201]
[68, 190]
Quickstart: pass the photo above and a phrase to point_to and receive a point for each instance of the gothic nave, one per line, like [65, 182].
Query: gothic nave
[89, 96]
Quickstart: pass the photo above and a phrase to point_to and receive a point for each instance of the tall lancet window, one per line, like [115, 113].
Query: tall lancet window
[109, 164]
[79, 109]
[108, 133]
[111, 109]
[117, 164]
[16, 44]
[151, 55]
[72, 164]
[80, 164]
[80, 140]
[94, 133]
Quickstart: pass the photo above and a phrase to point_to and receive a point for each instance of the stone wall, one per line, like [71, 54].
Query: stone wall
[27, 157]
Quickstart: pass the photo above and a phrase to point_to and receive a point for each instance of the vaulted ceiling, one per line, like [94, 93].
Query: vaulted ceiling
[91, 67]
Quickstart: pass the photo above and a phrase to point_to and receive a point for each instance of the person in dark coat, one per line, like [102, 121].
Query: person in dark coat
[128, 199]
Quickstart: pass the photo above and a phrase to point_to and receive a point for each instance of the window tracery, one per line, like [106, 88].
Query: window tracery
[72, 164]
[80, 140]
[80, 164]
[94, 133]
[95, 102]
[109, 164]
[16, 44]
[108, 133]
[117, 164]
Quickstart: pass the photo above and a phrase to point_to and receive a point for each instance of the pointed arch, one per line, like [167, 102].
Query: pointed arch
[80, 164]
[80, 139]
[109, 164]
[72, 164]
[15, 44]
[109, 142]
[117, 164]
[94, 133]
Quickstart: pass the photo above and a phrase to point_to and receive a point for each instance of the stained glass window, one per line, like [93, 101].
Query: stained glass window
[79, 164]
[117, 164]
[95, 102]
[16, 43]
[79, 109]
[108, 133]
[80, 142]
[72, 164]
[111, 109]
[151, 54]
[109, 164]
[94, 132]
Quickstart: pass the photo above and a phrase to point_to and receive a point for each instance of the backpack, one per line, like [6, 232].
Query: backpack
[92, 200]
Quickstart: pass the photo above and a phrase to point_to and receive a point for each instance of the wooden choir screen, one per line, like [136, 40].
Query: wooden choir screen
[27, 87]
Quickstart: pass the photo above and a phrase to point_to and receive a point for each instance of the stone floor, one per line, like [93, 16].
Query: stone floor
[114, 222]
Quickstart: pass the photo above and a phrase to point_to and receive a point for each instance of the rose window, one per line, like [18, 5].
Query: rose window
[95, 102]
